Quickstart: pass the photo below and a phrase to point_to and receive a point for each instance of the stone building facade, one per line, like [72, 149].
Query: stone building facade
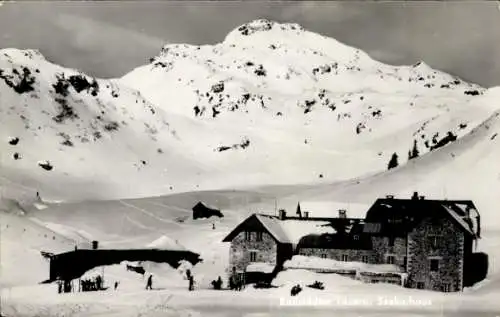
[436, 256]
[252, 246]
[429, 242]
[346, 255]
[390, 250]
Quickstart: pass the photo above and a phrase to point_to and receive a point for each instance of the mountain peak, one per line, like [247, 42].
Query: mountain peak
[15, 54]
[263, 27]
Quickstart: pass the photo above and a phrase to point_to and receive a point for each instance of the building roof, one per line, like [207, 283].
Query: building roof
[291, 230]
[399, 216]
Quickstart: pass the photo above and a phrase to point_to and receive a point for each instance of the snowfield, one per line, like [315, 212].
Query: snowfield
[272, 116]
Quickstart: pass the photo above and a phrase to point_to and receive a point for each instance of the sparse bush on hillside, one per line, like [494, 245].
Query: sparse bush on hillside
[250, 28]
[67, 143]
[223, 148]
[61, 86]
[67, 139]
[14, 141]
[260, 71]
[16, 156]
[215, 112]
[24, 83]
[245, 142]
[377, 113]
[111, 126]
[450, 137]
[472, 92]
[46, 165]
[65, 111]
[197, 111]
[218, 88]
[360, 127]
[393, 163]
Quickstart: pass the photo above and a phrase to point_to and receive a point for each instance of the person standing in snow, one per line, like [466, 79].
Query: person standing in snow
[191, 283]
[149, 284]
[98, 282]
[116, 285]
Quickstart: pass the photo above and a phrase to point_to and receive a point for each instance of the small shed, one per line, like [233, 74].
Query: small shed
[202, 211]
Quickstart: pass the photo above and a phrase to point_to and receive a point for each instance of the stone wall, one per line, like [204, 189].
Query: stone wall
[336, 254]
[449, 250]
[382, 249]
[239, 253]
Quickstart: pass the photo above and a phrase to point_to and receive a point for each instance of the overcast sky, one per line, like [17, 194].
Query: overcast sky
[108, 39]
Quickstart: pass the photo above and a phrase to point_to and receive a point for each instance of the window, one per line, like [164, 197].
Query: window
[391, 241]
[446, 287]
[420, 285]
[253, 256]
[356, 237]
[248, 236]
[323, 256]
[364, 259]
[344, 257]
[390, 259]
[259, 236]
[434, 265]
[434, 240]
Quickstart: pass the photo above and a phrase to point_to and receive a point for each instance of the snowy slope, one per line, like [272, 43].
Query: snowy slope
[271, 104]
[61, 128]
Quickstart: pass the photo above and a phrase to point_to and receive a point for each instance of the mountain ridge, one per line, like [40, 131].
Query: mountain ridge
[271, 104]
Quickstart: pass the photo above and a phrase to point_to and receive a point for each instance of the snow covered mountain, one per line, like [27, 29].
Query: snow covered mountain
[271, 104]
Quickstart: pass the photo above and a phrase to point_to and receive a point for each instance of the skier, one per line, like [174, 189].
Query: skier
[149, 284]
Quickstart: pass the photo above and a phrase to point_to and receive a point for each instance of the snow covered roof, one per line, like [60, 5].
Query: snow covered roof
[166, 243]
[292, 230]
[287, 230]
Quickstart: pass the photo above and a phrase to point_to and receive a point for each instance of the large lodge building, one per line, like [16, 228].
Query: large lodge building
[428, 243]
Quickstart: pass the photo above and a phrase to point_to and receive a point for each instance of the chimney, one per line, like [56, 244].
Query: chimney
[389, 196]
[342, 213]
[282, 214]
[95, 245]
[415, 196]
[306, 214]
